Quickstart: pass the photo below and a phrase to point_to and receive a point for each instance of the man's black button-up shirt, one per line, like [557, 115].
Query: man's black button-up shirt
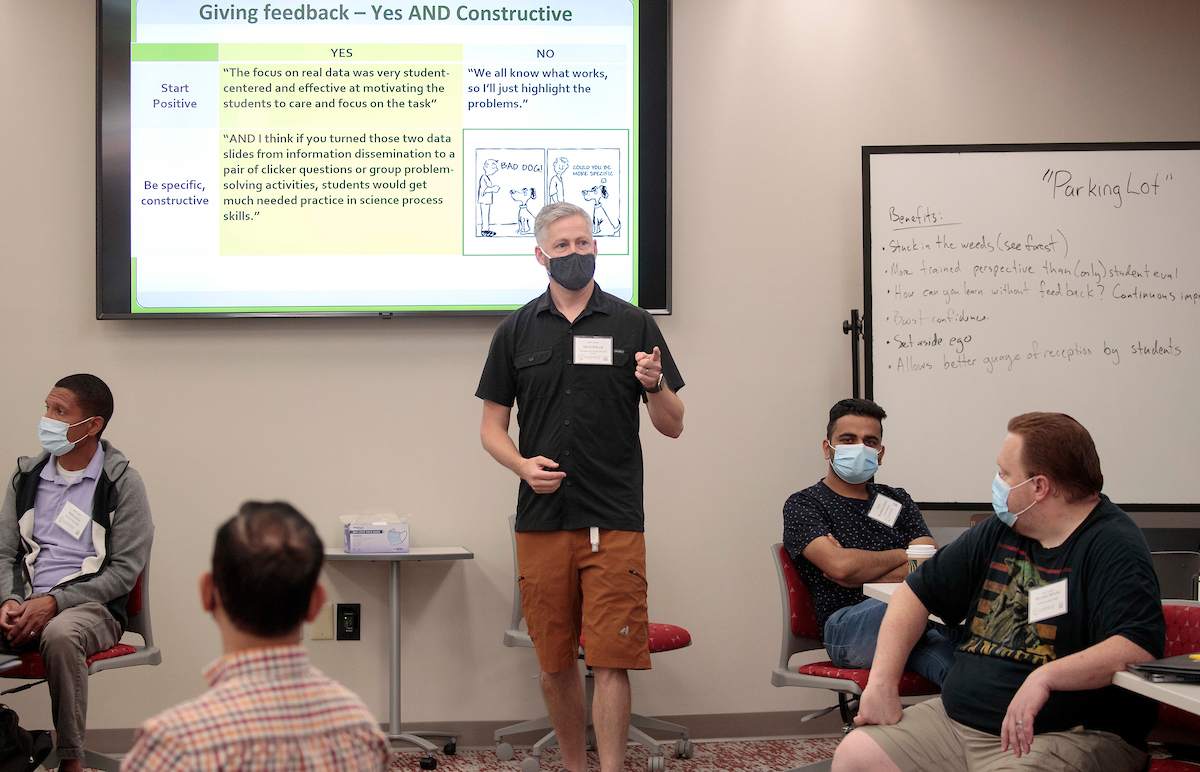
[585, 417]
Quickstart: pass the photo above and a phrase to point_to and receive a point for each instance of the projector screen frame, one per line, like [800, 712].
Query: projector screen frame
[114, 275]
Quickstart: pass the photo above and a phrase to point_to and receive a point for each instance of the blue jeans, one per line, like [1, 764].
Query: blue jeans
[852, 632]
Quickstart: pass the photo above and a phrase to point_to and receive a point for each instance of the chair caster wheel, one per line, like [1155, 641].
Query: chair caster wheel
[656, 764]
[684, 749]
[529, 764]
[450, 748]
[504, 751]
[428, 762]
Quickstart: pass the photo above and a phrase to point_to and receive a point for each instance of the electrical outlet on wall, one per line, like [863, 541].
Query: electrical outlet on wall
[321, 628]
[348, 618]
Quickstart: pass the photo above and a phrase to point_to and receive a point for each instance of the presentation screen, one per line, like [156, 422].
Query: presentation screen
[360, 158]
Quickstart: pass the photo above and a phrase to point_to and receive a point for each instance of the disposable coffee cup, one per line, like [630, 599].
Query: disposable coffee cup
[918, 554]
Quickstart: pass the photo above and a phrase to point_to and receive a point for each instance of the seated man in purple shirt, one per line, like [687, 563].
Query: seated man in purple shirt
[75, 533]
[846, 531]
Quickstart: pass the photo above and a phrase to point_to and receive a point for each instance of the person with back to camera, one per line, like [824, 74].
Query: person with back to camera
[577, 362]
[845, 531]
[75, 533]
[1058, 593]
[267, 708]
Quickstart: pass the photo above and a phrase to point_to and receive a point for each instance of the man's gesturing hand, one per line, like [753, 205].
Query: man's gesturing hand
[649, 367]
[1017, 729]
[539, 473]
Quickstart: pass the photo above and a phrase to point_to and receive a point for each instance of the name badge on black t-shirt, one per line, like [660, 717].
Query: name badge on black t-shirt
[884, 510]
[593, 350]
[1048, 600]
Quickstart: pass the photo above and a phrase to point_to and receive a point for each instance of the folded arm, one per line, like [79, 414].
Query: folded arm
[855, 567]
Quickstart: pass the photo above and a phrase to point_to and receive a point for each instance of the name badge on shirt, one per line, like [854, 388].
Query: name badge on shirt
[593, 350]
[72, 519]
[884, 510]
[1049, 600]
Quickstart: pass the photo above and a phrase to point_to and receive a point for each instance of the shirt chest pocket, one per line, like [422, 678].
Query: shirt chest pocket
[536, 373]
[615, 381]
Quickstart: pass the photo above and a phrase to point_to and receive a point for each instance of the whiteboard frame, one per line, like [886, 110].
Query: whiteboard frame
[868, 151]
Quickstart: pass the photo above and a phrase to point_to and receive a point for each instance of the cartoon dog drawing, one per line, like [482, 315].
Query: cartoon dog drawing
[524, 216]
[602, 224]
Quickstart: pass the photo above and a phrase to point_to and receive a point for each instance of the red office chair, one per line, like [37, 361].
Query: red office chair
[137, 609]
[663, 637]
[800, 634]
[1183, 637]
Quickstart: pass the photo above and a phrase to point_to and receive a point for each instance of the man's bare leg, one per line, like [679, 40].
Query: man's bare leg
[563, 692]
[859, 753]
[610, 716]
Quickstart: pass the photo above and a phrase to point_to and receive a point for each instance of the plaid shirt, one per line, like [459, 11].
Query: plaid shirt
[265, 710]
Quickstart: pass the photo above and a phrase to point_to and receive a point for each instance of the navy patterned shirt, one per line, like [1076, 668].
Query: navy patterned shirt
[817, 511]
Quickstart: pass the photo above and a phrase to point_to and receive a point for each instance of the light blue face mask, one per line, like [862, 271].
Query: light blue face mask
[855, 463]
[53, 436]
[1000, 491]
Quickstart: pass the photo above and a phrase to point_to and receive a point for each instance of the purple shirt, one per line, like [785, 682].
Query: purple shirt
[60, 555]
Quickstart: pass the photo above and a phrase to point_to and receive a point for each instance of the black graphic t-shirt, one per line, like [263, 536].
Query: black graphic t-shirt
[985, 578]
[817, 511]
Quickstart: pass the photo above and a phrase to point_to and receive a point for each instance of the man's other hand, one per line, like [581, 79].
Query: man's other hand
[30, 619]
[1017, 728]
[7, 611]
[540, 473]
[878, 706]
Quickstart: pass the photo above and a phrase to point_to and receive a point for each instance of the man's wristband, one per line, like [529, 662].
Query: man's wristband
[658, 386]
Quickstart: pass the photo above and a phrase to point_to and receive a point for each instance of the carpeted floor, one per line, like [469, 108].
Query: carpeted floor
[739, 756]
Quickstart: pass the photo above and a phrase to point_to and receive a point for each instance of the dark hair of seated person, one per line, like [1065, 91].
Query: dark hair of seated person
[853, 406]
[265, 564]
[91, 394]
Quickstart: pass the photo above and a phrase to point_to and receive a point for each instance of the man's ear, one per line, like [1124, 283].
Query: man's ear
[97, 423]
[208, 593]
[881, 449]
[315, 602]
[540, 255]
[827, 450]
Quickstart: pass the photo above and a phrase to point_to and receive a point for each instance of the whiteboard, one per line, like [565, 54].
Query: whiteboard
[1004, 279]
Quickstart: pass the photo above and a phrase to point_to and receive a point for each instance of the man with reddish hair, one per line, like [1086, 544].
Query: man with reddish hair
[1058, 593]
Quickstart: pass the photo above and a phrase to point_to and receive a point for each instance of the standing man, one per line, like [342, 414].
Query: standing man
[1058, 593]
[267, 707]
[577, 361]
[75, 533]
[846, 531]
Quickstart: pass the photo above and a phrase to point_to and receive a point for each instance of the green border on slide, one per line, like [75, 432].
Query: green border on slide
[208, 52]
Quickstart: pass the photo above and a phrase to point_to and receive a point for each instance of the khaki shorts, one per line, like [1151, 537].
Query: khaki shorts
[567, 589]
[927, 739]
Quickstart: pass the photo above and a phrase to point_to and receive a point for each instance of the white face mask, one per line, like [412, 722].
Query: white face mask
[53, 436]
[855, 463]
[1000, 491]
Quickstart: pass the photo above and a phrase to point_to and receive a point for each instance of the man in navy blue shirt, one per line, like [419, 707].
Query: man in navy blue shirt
[845, 531]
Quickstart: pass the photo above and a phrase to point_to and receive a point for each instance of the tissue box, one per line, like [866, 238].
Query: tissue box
[375, 533]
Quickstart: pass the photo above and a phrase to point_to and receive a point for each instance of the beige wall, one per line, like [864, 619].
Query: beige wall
[772, 101]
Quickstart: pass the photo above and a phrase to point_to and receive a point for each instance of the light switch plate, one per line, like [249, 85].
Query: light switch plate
[321, 628]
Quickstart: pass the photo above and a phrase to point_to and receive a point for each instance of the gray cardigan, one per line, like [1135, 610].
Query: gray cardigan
[119, 508]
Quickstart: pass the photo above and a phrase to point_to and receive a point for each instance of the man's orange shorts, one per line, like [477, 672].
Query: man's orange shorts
[566, 588]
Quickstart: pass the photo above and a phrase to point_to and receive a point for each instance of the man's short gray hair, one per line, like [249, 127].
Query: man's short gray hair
[552, 213]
